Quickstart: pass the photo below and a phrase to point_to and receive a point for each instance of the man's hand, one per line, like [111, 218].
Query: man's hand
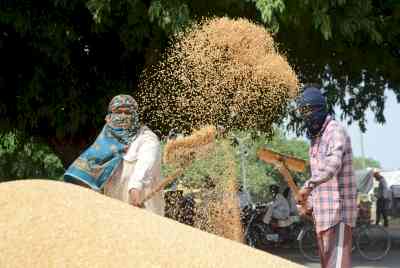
[135, 198]
[303, 210]
[304, 193]
[302, 207]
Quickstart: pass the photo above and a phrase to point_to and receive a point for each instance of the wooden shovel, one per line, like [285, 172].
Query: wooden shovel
[284, 163]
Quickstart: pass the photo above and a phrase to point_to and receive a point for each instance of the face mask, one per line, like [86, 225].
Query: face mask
[314, 121]
[122, 120]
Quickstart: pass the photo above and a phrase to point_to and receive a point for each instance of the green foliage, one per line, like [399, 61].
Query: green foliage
[24, 158]
[332, 18]
[171, 17]
[362, 163]
[270, 11]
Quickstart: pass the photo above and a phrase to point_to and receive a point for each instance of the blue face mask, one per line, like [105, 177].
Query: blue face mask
[314, 121]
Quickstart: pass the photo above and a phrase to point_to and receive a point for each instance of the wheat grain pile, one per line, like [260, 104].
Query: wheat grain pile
[54, 224]
[220, 72]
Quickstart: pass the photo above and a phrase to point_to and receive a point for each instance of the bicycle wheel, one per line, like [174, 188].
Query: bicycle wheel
[308, 244]
[373, 242]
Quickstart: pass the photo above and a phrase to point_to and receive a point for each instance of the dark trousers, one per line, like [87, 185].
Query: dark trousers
[381, 210]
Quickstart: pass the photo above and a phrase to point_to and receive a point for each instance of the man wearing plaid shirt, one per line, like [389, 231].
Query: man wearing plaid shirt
[332, 189]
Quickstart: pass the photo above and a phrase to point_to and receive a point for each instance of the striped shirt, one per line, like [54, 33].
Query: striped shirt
[334, 197]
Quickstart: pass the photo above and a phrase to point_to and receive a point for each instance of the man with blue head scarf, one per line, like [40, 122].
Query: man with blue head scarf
[124, 161]
[331, 191]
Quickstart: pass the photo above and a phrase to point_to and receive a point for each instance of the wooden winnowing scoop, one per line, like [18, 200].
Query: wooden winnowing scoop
[284, 163]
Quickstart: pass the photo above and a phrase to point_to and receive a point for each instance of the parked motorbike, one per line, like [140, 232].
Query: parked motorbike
[261, 235]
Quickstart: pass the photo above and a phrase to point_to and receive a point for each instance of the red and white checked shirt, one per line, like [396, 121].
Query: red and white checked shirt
[334, 198]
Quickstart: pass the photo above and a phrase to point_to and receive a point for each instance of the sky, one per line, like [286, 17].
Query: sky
[381, 142]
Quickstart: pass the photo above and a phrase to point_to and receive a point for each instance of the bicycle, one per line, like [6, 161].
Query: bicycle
[372, 242]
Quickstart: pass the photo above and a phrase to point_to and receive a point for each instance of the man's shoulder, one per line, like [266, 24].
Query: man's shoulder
[147, 134]
[336, 127]
[333, 123]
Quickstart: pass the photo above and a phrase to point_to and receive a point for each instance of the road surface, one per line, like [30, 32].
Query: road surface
[392, 260]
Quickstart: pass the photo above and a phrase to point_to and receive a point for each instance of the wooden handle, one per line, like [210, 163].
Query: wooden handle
[162, 185]
[295, 189]
[288, 178]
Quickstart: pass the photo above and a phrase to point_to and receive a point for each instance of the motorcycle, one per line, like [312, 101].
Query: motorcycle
[261, 235]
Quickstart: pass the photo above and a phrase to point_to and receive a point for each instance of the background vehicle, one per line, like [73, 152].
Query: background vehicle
[264, 236]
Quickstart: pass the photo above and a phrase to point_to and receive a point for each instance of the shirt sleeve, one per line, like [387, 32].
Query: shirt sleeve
[148, 157]
[332, 162]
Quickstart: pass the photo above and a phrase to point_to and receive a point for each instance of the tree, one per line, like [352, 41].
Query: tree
[351, 47]
[62, 61]
[365, 162]
[60, 69]
[21, 159]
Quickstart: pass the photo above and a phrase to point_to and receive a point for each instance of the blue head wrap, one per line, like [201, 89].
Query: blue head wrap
[312, 97]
